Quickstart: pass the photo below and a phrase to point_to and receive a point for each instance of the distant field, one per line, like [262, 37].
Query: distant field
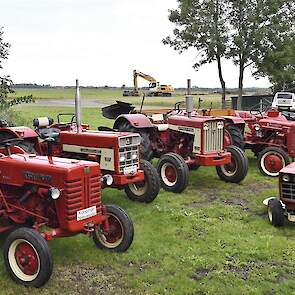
[109, 96]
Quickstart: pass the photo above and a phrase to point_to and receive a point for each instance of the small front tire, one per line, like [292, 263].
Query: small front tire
[173, 172]
[237, 169]
[146, 190]
[27, 257]
[275, 212]
[120, 234]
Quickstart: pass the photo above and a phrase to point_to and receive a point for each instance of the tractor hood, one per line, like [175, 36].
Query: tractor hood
[194, 122]
[102, 139]
[290, 169]
[20, 169]
[20, 131]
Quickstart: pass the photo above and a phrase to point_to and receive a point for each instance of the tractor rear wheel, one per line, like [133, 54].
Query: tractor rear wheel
[146, 190]
[234, 136]
[237, 169]
[145, 145]
[275, 212]
[120, 234]
[271, 160]
[27, 257]
[173, 172]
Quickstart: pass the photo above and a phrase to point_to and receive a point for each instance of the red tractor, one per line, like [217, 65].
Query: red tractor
[117, 153]
[183, 140]
[47, 197]
[284, 206]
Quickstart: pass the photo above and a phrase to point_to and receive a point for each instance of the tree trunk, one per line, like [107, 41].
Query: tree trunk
[222, 82]
[241, 80]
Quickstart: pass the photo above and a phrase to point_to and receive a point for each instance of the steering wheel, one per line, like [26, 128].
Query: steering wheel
[10, 141]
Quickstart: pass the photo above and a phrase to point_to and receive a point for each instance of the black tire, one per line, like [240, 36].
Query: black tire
[147, 190]
[178, 173]
[269, 166]
[275, 212]
[16, 258]
[236, 136]
[235, 171]
[120, 224]
[145, 144]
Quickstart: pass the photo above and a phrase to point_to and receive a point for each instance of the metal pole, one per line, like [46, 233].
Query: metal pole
[189, 102]
[78, 106]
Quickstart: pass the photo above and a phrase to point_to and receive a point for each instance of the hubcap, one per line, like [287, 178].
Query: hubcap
[114, 236]
[24, 260]
[231, 168]
[272, 163]
[139, 188]
[169, 174]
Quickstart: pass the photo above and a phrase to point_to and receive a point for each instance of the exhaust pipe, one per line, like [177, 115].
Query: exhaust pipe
[189, 102]
[78, 106]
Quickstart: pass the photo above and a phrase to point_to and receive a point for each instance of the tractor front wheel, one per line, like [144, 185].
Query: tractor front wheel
[237, 169]
[27, 257]
[173, 172]
[275, 212]
[146, 190]
[271, 160]
[120, 234]
[234, 136]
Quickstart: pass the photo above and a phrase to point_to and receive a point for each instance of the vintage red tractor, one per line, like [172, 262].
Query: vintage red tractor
[185, 140]
[283, 206]
[47, 197]
[117, 153]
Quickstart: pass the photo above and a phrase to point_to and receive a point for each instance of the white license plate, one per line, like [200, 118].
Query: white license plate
[130, 170]
[86, 213]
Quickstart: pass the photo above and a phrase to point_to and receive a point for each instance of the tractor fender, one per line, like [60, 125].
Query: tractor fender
[135, 120]
[234, 120]
[18, 132]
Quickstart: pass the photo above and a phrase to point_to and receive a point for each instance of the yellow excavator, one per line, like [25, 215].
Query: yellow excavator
[155, 89]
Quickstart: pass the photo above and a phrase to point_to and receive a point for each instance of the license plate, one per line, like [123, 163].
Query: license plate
[130, 170]
[86, 213]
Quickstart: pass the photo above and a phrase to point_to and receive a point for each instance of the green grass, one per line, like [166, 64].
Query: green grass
[212, 239]
[109, 96]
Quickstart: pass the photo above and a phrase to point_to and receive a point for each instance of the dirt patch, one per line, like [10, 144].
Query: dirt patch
[91, 280]
[209, 199]
[238, 202]
[200, 273]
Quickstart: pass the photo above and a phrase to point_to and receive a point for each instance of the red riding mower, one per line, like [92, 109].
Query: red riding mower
[47, 197]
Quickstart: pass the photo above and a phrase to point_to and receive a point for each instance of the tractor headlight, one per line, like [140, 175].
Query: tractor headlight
[122, 158]
[54, 193]
[205, 126]
[134, 157]
[257, 127]
[107, 179]
[286, 178]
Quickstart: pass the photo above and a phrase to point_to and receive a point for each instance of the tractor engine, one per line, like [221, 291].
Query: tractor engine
[197, 135]
[60, 193]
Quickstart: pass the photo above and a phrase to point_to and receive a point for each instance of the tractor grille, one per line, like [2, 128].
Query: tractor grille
[76, 199]
[213, 136]
[288, 190]
[128, 157]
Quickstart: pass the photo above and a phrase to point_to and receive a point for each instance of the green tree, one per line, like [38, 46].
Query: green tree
[256, 27]
[279, 66]
[5, 81]
[201, 25]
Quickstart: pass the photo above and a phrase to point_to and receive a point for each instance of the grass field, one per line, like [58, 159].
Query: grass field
[212, 239]
[109, 96]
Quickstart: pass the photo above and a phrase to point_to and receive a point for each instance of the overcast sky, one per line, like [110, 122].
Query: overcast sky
[100, 42]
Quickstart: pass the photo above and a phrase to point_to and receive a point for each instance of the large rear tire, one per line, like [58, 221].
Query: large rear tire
[271, 160]
[237, 169]
[146, 190]
[146, 147]
[173, 172]
[120, 234]
[234, 136]
[27, 257]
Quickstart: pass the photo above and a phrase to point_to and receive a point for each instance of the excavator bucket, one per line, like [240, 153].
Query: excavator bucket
[117, 109]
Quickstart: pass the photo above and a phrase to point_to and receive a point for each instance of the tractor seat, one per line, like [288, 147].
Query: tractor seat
[48, 132]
